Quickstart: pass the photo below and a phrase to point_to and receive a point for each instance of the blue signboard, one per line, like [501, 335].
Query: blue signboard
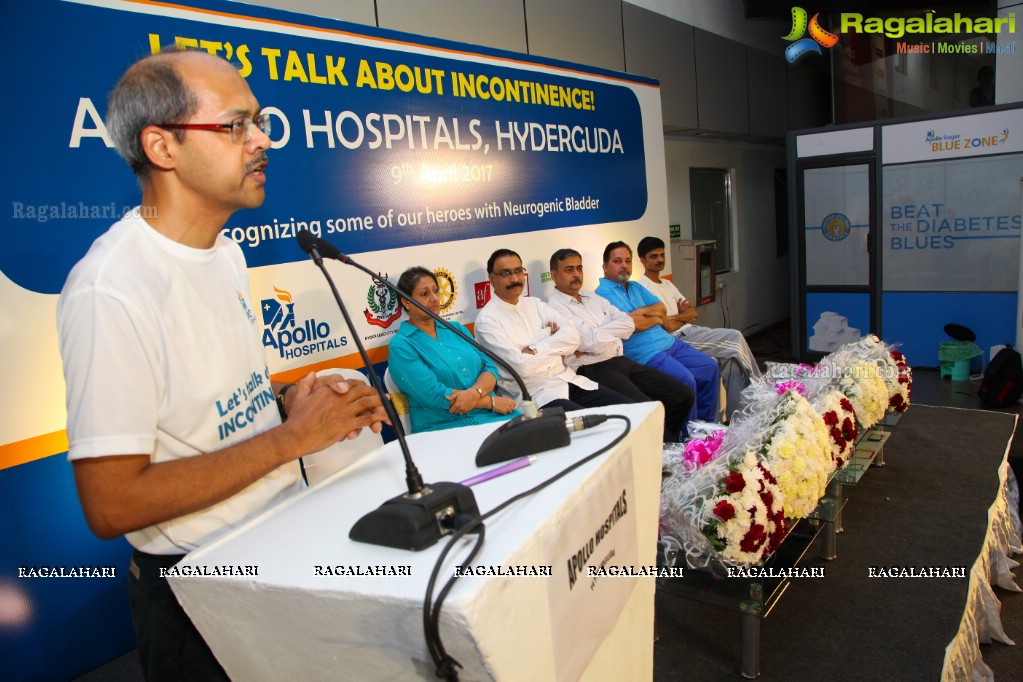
[379, 143]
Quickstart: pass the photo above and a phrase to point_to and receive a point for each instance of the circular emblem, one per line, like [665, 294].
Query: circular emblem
[835, 227]
[448, 289]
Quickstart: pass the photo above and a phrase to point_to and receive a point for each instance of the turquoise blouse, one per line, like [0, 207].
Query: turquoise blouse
[428, 369]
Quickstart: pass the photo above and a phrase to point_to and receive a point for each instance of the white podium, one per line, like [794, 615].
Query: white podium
[296, 606]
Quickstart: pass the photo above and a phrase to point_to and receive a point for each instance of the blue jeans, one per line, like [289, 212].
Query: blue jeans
[696, 370]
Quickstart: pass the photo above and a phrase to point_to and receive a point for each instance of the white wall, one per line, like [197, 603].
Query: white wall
[758, 285]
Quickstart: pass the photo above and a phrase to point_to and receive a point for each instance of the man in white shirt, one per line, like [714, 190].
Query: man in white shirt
[534, 339]
[174, 432]
[600, 355]
[727, 346]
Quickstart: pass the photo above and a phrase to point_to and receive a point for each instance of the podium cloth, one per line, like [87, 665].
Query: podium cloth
[296, 599]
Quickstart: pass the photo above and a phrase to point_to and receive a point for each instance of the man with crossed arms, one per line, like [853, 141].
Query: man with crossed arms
[727, 346]
[651, 344]
[600, 356]
[534, 339]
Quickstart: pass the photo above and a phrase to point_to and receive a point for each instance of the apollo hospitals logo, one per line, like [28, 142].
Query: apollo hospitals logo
[284, 334]
[382, 306]
[802, 46]
[835, 227]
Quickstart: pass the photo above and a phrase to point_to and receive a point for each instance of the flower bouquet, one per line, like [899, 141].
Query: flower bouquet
[896, 372]
[839, 418]
[773, 462]
[796, 448]
[899, 398]
[695, 452]
[729, 512]
[860, 380]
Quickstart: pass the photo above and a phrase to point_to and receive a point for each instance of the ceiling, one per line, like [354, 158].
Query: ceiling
[782, 8]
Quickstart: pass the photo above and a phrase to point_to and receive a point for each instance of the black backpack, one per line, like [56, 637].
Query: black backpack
[1003, 379]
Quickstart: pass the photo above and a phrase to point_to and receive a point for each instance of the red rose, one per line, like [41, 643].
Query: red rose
[724, 511]
[896, 401]
[734, 482]
[903, 379]
[754, 538]
[846, 405]
[897, 356]
[768, 499]
[837, 435]
[839, 462]
[830, 418]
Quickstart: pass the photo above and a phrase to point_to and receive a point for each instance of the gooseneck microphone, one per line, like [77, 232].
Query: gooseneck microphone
[421, 516]
[535, 431]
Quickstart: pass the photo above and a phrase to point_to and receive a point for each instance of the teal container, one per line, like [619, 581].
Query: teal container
[956, 371]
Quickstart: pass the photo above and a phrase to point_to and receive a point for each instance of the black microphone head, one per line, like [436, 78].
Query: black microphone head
[308, 242]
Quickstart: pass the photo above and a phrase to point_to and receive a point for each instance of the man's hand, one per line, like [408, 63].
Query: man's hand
[672, 324]
[124, 493]
[686, 312]
[331, 408]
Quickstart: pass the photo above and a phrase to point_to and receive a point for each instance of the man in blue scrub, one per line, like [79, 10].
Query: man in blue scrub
[651, 344]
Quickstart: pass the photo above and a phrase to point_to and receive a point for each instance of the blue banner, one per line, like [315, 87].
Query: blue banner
[379, 142]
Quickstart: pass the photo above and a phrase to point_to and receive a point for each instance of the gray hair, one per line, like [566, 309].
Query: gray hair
[150, 92]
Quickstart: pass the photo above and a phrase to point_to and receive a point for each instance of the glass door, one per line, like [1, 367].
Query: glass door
[837, 270]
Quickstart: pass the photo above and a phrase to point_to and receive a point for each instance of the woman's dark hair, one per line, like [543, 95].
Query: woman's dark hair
[409, 278]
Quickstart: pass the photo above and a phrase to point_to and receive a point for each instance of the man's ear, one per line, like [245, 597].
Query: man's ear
[160, 147]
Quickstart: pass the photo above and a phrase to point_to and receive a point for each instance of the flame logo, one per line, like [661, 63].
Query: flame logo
[283, 295]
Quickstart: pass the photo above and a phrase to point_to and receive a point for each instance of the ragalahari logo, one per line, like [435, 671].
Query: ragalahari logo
[802, 46]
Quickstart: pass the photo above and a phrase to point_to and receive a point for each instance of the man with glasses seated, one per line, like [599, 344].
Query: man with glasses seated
[175, 432]
[533, 338]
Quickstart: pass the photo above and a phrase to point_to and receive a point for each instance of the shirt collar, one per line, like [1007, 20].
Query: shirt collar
[562, 296]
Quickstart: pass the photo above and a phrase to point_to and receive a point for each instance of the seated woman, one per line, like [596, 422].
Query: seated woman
[448, 382]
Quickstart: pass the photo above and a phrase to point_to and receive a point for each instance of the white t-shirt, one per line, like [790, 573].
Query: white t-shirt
[162, 356]
[667, 292]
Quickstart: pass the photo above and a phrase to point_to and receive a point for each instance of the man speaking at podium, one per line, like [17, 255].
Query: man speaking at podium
[175, 433]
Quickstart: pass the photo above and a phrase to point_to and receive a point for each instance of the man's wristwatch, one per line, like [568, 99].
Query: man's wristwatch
[280, 400]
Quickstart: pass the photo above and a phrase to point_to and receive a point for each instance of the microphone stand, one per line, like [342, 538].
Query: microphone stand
[420, 517]
[537, 430]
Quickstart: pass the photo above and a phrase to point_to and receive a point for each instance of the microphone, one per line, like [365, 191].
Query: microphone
[534, 431]
[420, 517]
